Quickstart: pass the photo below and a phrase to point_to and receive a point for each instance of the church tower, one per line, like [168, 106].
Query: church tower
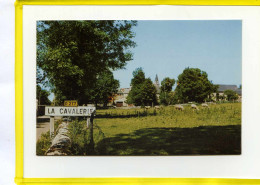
[157, 84]
[156, 81]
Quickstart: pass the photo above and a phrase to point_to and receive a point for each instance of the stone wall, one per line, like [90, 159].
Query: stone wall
[61, 141]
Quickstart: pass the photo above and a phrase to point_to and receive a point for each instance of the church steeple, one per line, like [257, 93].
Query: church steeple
[156, 80]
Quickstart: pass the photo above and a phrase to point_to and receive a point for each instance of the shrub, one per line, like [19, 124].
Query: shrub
[80, 138]
[43, 144]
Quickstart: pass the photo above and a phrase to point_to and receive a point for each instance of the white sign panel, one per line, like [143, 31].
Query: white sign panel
[69, 111]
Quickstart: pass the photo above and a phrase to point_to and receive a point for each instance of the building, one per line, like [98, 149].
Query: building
[223, 87]
[121, 95]
[157, 86]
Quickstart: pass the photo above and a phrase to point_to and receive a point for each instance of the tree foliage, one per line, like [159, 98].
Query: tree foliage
[73, 54]
[142, 92]
[166, 94]
[231, 95]
[148, 93]
[167, 84]
[193, 85]
[105, 87]
[42, 96]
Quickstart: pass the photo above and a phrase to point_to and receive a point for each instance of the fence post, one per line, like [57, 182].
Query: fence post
[91, 143]
[51, 126]
[88, 122]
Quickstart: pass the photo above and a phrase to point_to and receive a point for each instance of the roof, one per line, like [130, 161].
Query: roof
[222, 88]
[127, 90]
[124, 90]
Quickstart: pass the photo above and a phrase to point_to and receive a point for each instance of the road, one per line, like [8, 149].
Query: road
[43, 125]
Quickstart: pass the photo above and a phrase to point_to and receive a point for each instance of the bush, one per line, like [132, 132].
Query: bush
[80, 138]
[231, 95]
[43, 144]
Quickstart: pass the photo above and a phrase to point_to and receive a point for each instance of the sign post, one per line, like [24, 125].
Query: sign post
[51, 126]
[88, 121]
[91, 142]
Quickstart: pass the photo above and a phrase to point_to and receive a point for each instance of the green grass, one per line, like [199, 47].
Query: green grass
[216, 130]
[168, 117]
[80, 138]
[213, 131]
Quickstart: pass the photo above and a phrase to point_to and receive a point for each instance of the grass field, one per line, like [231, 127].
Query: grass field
[210, 131]
[216, 130]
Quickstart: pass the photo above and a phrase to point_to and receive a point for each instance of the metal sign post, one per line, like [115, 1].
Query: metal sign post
[51, 126]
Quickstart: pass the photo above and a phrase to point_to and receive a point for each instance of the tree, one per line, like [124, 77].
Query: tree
[104, 88]
[72, 54]
[166, 84]
[142, 92]
[148, 93]
[193, 85]
[138, 79]
[172, 98]
[231, 95]
[42, 96]
[166, 87]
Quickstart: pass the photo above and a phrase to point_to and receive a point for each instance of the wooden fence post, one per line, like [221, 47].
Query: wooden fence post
[91, 143]
[88, 122]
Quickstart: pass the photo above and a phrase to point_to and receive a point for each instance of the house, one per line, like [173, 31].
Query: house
[223, 87]
[120, 97]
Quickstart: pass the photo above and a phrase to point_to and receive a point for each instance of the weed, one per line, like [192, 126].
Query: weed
[43, 144]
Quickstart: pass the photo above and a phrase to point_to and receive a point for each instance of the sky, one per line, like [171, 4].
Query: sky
[166, 48]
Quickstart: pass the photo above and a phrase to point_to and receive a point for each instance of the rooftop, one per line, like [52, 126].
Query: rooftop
[222, 88]
[124, 90]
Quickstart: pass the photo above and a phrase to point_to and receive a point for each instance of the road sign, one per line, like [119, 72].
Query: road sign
[69, 111]
[71, 103]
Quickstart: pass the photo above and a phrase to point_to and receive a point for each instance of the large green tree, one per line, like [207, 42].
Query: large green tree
[166, 95]
[105, 87]
[73, 54]
[135, 94]
[142, 92]
[194, 85]
[148, 93]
